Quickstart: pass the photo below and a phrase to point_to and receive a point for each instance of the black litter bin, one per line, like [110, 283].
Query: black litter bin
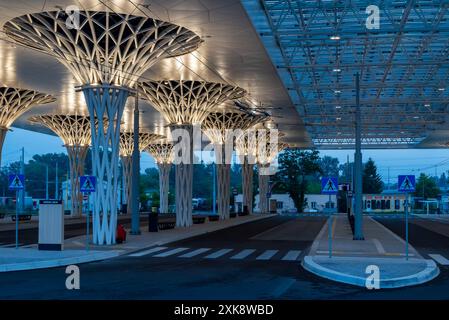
[153, 222]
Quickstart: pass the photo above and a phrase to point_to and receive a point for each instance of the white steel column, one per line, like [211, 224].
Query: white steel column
[105, 101]
[223, 182]
[183, 173]
[164, 183]
[77, 156]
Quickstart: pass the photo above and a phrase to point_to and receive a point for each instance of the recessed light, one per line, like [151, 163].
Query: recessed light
[337, 107]
[427, 105]
[416, 117]
[440, 89]
[336, 70]
[335, 37]
[337, 91]
[338, 118]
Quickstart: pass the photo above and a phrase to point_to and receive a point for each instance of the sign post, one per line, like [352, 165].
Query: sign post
[16, 182]
[406, 184]
[329, 185]
[87, 185]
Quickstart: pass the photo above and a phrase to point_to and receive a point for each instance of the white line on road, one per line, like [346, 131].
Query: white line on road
[170, 252]
[218, 254]
[292, 255]
[11, 245]
[380, 248]
[243, 254]
[440, 259]
[267, 255]
[143, 253]
[194, 253]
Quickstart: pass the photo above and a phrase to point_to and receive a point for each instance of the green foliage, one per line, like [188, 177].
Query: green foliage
[372, 182]
[329, 166]
[426, 187]
[296, 169]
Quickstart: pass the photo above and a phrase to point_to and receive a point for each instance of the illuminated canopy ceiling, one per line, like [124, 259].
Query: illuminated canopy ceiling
[296, 60]
[319, 46]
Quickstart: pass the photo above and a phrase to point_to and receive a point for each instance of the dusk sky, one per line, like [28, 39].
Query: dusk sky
[410, 161]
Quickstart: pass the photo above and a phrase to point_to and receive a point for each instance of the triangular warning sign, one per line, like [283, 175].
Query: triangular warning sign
[330, 186]
[16, 183]
[87, 185]
[406, 184]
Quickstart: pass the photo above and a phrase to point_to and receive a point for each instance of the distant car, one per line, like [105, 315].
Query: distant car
[310, 210]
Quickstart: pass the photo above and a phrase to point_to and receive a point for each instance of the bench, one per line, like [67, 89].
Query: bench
[22, 217]
[215, 217]
[198, 219]
[166, 222]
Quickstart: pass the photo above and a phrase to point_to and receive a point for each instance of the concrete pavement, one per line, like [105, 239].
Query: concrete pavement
[381, 248]
[12, 259]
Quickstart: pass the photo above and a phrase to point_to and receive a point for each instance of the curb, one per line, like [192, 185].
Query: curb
[430, 272]
[22, 266]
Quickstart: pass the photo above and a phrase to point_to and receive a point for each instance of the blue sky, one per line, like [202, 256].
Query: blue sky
[408, 161]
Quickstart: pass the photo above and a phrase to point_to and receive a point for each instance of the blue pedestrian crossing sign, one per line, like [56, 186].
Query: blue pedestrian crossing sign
[329, 185]
[406, 183]
[16, 182]
[88, 184]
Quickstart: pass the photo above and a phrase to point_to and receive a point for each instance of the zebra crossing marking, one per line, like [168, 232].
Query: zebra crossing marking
[292, 255]
[170, 252]
[195, 253]
[144, 253]
[218, 254]
[243, 254]
[267, 255]
[440, 259]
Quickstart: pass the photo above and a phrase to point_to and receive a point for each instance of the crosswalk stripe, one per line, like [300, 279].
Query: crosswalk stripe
[170, 252]
[440, 259]
[194, 253]
[143, 253]
[267, 255]
[218, 254]
[243, 254]
[292, 255]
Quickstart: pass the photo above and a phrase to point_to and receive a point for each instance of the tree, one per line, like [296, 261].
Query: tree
[329, 166]
[426, 187]
[296, 169]
[372, 182]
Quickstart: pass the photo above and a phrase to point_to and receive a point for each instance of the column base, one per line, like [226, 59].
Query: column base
[135, 233]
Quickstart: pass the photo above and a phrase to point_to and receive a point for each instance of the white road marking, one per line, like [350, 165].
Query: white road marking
[170, 252]
[380, 248]
[440, 259]
[243, 254]
[267, 255]
[194, 253]
[292, 255]
[144, 253]
[218, 254]
[11, 245]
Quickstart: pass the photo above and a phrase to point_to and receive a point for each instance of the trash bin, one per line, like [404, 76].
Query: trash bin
[153, 222]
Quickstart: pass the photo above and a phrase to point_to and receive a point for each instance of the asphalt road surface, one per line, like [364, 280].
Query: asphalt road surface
[257, 260]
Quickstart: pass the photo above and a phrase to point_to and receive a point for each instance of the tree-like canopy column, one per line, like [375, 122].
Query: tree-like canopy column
[222, 128]
[13, 103]
[185, 103]
[163, 154]
[106, 52]
[126, 152]
[75, 132]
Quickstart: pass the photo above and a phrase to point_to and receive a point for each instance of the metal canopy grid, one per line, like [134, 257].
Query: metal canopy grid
[319, 46]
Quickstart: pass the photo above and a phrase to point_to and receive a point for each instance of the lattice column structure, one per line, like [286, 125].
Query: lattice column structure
[75, 132]
[106, 52]
[163, 154]
[246, 147]
[13, 103]
[264, 163]
[185, 103]
[126, 152]
[222, 128]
